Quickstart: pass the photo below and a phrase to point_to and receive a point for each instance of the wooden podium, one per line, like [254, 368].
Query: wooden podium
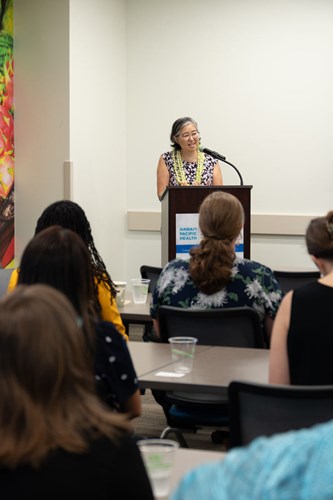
[187, 200]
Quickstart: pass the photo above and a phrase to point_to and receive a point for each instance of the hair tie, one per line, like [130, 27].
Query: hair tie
[213, 237]
[329, 227]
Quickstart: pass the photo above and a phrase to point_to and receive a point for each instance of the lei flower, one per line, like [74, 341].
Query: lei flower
[179, 168]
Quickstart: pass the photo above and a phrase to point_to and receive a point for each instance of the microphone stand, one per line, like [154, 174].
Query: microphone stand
[238, 172]
[222, 158]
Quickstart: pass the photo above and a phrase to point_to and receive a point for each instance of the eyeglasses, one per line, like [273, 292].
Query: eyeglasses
[187, 135]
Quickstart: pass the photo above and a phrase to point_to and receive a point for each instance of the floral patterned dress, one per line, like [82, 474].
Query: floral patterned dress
[253, 285]
[190, 170]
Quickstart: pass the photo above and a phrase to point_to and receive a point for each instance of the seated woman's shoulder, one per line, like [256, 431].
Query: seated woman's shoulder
[178, 263]
[181, 262]
[252, 265]
[108, 330]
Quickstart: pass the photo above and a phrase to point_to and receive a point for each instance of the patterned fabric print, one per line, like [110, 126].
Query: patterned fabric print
[252, 285]
[287, 466]
[190, 170]
[114, 365]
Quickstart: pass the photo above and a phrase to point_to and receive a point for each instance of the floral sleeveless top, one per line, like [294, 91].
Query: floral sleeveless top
[190, 170]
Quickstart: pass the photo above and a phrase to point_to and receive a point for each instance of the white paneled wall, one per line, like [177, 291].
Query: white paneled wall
[100, 83]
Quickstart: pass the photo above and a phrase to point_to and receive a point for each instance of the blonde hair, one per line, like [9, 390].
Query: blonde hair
[221, 218]
[47, 392]
[319, 237]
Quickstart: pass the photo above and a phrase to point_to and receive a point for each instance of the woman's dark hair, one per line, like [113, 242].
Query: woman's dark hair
[319, 237]
[70, 215]
[59, 258]
[177, 126]
[221, 218]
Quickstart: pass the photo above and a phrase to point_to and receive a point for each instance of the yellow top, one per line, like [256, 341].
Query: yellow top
[109, 311]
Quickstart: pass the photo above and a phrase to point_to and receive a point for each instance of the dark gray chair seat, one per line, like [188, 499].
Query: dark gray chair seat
[289, 280]
[265, 409]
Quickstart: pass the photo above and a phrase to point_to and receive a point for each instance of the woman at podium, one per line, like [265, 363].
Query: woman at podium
[186, 164]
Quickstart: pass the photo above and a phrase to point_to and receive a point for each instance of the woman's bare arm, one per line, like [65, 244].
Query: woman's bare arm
[278, 361]
[163, 177]
[217, 175]
[156, 327]
[133, 405]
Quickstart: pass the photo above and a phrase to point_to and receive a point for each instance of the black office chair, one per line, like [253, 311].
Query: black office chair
[263, 409]
[232, 326]
[187, 411]
[152, 273]
[289, 280]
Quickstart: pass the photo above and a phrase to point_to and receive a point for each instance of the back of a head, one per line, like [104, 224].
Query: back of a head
[67, 214]
[47, 390]
[59, 258]
[319, 237]
[42, 350]
[221, 218]
[70, 215]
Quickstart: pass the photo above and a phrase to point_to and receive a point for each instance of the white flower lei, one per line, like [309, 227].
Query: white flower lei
[179, 169]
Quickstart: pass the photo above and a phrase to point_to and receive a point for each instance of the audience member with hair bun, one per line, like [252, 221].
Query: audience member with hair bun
[214, 277]
[59, 258]
[302, 341]
[186, 164]
[70, 215]
[57, 439]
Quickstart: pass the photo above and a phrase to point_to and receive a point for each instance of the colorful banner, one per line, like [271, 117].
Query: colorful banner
[6, 134]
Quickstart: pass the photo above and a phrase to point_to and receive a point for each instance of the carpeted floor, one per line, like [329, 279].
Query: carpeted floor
[152, 421]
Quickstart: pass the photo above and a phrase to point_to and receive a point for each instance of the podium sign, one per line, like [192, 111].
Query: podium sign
[188, 234]
[180, 219]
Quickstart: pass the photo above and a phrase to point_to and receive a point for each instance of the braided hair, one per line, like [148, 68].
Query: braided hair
[70, 215]
[221, 218]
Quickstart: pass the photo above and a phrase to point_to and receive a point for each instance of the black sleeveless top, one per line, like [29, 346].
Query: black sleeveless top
[310, 336]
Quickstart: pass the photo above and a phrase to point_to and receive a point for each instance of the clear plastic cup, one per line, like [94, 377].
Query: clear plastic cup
[121, 288]
[158, 456]
[182, 352]
[140, 290]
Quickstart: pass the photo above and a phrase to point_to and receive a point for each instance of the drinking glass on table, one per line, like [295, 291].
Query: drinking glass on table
[158, 456]
[182, 352]
[140, 290]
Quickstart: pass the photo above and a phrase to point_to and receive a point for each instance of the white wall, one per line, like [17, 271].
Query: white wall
[98, 123]
[41, 37]
[70, 104]
[100, 83]
[257, 76]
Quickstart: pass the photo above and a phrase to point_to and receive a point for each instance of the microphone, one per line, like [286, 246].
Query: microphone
[216, 155]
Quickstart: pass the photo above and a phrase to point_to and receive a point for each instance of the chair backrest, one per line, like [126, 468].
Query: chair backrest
[289, 280]
[233, 326]
[151, 273]
[5, 275]
[263, 409]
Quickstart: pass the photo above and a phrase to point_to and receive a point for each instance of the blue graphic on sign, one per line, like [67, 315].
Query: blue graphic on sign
[184, 248]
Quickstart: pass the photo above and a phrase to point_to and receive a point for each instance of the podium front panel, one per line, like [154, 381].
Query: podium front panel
[187, 200]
